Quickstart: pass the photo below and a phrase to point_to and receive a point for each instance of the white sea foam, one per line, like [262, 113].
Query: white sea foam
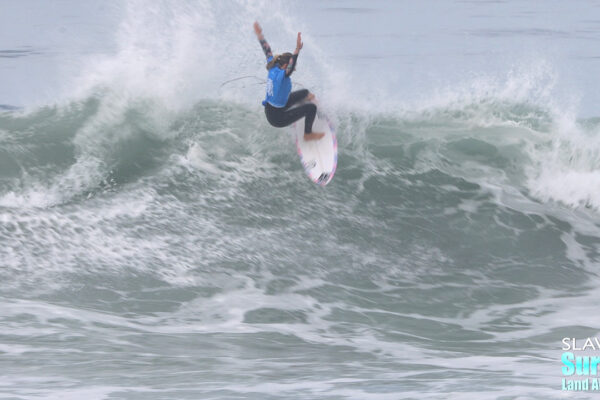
[566, 168]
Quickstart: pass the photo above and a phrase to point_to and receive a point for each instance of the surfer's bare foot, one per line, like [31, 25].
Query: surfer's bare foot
[311, 97]
[313, 136]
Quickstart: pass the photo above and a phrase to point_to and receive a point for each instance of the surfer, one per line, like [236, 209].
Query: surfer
[280, 97]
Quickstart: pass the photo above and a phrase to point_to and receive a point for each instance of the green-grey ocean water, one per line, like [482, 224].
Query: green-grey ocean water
[158, 243]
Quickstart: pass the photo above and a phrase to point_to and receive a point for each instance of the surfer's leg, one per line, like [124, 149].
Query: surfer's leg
[296, 96]
[280, 117]
[308, 110]
[276, 116]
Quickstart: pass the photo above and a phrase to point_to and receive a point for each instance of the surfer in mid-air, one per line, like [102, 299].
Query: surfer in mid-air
[280, 98]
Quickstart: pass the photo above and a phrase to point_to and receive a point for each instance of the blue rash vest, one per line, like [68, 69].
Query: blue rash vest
[279, 87]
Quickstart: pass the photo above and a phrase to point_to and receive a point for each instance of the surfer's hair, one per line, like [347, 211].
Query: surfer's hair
[280, 59]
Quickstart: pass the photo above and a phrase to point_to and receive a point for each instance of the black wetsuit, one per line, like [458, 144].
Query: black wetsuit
[288, 114]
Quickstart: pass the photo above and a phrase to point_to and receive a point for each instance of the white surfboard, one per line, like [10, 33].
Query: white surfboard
[318, 157]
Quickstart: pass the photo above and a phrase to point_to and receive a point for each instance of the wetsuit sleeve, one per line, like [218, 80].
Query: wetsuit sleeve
[266, 48]
[292, 65]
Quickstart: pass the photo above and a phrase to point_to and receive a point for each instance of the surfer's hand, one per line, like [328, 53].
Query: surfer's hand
[257, 29]
[299, 43]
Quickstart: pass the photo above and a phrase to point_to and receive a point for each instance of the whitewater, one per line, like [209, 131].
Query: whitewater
[160, 240]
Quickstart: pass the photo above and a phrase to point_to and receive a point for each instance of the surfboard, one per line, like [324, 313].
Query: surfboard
[318, 157]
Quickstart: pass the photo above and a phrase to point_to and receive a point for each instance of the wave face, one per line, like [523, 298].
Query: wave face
[160, 240]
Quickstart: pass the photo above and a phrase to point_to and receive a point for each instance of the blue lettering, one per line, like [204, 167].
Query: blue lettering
[582, 365]
[594, 361]
[567, 359]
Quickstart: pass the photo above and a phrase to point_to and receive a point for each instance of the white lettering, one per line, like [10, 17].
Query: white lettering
[566, 344]
[588, 343]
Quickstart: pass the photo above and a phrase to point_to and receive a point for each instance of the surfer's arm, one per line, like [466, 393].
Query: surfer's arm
[292, 64]
[263, 42]
[266, 48]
